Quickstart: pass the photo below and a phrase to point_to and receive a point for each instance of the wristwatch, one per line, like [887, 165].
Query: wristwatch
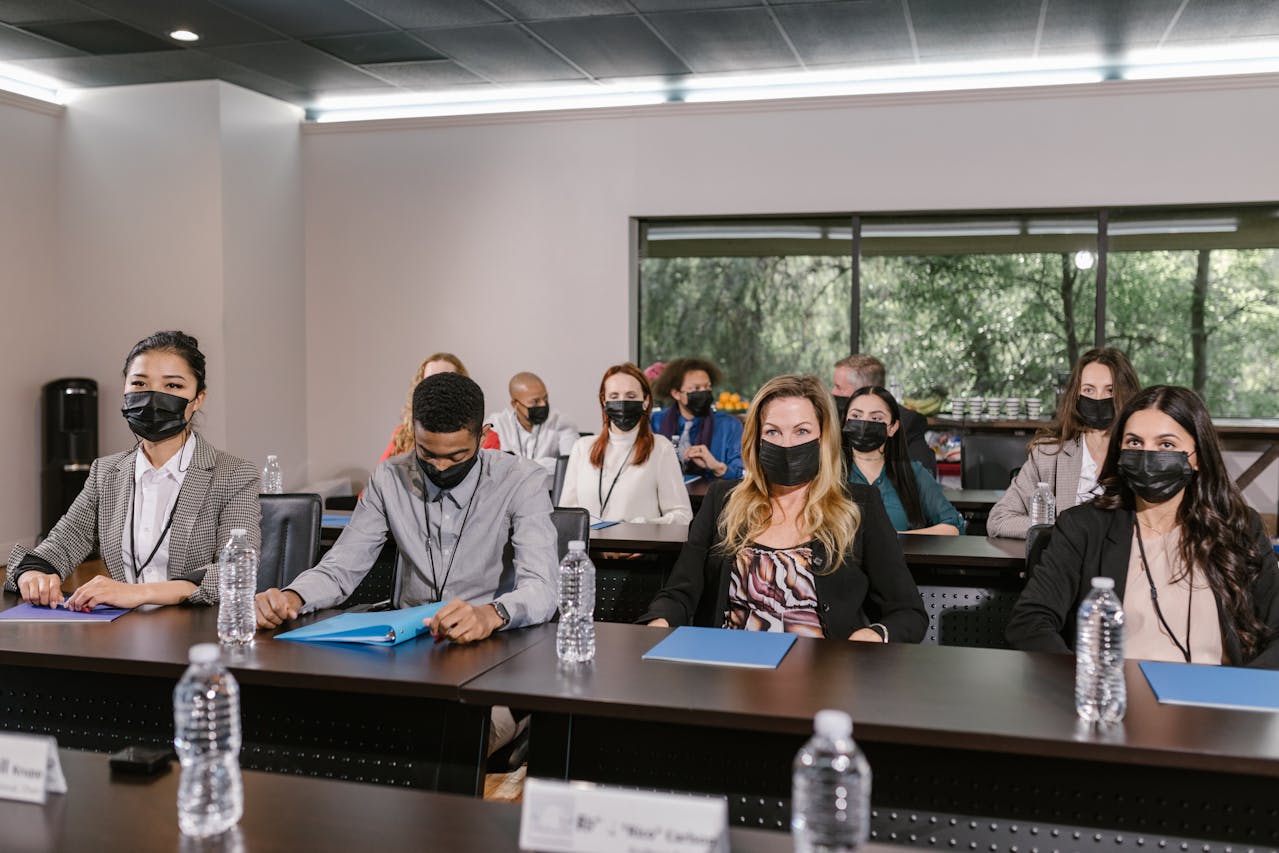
[501, 613]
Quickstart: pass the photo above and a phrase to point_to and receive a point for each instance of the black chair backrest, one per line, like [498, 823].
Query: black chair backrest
[378, 586]
[1037, 538]
[571, 522]
[290, 537]
[557, 484]
[989, 460]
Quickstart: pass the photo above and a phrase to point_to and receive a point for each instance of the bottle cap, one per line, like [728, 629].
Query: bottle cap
[1103, 583]
[271, 457]
[1042, 485]
[239, 531]
[577, 545]
[204, 653]
[833, 724]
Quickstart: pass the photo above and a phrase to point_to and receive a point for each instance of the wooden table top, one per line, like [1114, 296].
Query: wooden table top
[155, 643]
[981, 499]
[980, 699]
[108, 812]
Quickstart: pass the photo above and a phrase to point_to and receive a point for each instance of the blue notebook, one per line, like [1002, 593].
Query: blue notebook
[25, 612]
[600, 525]
[723, 647]
[334, 520]
[383, 628]
[1233, 688]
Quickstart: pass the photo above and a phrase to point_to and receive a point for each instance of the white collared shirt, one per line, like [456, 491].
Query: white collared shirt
[155, 493]
[1087, 489]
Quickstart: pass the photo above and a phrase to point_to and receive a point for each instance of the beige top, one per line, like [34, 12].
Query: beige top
[1144, 636]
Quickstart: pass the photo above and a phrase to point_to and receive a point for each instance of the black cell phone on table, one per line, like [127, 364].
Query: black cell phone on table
[141, 760]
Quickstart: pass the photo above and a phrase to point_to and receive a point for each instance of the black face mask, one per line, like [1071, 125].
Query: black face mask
[1155, 475]
[699, 403]
[451, 476]
[538, 414]
[865, 436]
[790, 466]
[841, 406]
[155, 415]
[1095, 414]
[624, 414]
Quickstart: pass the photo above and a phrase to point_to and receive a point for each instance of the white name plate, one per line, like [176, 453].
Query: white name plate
[29, 768]
[578, 817]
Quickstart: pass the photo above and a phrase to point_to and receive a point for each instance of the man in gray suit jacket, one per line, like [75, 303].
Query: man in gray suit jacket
[444, 498]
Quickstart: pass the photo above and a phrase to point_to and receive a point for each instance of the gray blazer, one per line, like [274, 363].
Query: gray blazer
[219, 492]
[1057, 465]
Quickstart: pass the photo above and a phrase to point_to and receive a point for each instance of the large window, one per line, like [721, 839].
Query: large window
[991, 304]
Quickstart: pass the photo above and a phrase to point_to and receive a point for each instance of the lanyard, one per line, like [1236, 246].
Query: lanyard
[532, 444]
[603, 498]
[426, 514]
[133, 535]
[1154, 597]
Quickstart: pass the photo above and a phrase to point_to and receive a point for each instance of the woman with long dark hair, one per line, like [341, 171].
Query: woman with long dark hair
[626, 473]
[876, 444]
[793, 546]
[1068, 453]
[158, 512]
[1190, 560]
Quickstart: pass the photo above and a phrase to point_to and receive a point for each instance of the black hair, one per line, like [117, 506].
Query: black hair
[180, 344]
[672, 376]
[448, 402]
[1218, 528]
[896, 461]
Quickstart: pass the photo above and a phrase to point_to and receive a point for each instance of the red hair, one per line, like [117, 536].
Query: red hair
[644, 441]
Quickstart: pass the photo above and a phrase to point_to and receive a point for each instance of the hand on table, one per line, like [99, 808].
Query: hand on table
[701, 454]
[103, 590]
[275, 607]
[866, 635]
[39, 587]
[462, 622]
[659, 623]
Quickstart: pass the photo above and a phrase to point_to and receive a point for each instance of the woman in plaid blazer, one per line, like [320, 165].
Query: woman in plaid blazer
[158, 513]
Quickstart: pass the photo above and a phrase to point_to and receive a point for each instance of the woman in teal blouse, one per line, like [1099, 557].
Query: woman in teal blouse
[872, 434]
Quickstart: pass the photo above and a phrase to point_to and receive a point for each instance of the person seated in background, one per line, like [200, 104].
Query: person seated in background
[707, 442]
[860, 371]
[402, 436]
[874, 438]
[158, 513]
[1068, 453]
[626, 473]
[793, 546]
[444, 498]
[1191, 562]
[528, 427]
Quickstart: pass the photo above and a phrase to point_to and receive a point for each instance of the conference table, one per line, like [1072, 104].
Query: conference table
[114, 813]
[970, 748]
[362, 713]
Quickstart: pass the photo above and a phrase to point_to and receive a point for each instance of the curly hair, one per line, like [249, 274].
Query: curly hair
[672, 378]
[448, 402]
[403, 437]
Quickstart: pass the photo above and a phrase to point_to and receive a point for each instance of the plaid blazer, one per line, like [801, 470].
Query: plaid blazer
[219, 492]
[1056, 465]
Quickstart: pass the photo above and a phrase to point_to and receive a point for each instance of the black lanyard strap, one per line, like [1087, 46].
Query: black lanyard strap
[133, 535]
[1154, 596]
[426, 514]
[603, 498]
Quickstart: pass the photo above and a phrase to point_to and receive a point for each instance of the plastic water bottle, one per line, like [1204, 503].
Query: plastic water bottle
[237, 582]
[1100, 695]
[1043, 506]
[575, 637]
[206, 736]
[272, 476]
[830, 789]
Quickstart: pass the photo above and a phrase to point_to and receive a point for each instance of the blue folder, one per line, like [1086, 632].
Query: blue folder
[723, 647]
[383, 628]
[332, 521]
[1229, 687]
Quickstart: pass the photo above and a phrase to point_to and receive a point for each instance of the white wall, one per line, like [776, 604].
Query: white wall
[506, 240]
[28, 240]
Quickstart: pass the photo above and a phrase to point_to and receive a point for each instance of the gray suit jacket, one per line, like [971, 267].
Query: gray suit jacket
[219, 492]
[1055, 465]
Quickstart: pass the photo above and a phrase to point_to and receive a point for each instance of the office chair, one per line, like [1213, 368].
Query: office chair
[290, 537]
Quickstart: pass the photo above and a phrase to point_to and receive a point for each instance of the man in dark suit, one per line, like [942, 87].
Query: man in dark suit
[858, 371]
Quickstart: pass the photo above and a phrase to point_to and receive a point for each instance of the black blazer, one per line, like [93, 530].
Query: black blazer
[872, 585]
[1089, 542]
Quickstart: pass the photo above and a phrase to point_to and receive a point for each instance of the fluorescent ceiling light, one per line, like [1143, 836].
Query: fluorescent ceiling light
[23, 82]
[184, 35]
[733, 232]
[1061, 226]
[1224, 225]
[1238, 57]
[1000, 228]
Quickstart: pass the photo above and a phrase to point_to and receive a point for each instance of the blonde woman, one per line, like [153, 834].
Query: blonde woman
[402, 437]
[792, 546]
